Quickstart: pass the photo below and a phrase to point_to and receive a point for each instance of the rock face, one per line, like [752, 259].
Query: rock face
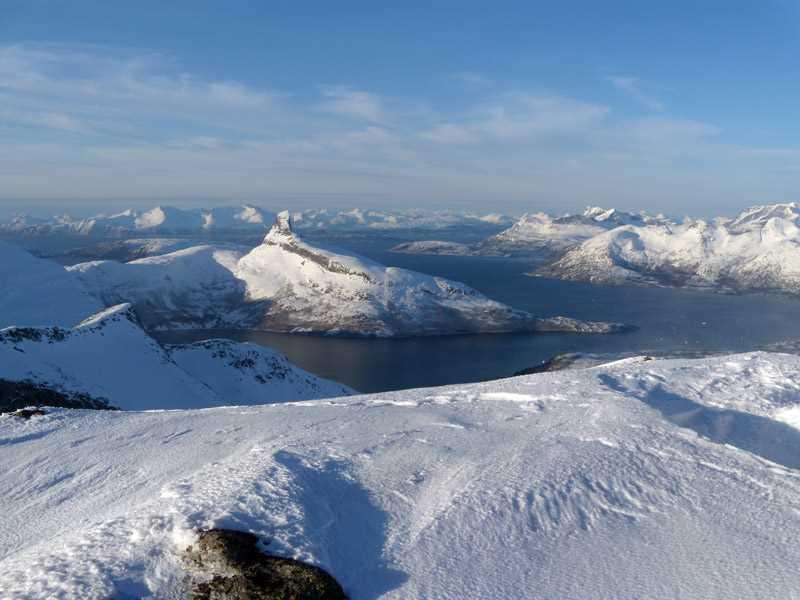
[239, 570]
[289, 285]
[759, 250]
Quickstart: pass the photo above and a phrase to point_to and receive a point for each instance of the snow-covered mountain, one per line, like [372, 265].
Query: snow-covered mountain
[758, 250]
[165, 220]
[158, 220]
[657, 479]
[539, 234]
[38, 292]
[286, 284]
[108, 358]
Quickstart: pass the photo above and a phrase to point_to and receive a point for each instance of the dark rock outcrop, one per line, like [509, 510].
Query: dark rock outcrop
[15, 395]
[27, 413]
[228, 565]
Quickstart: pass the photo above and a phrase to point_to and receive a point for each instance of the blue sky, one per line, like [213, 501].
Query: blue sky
[683, 107]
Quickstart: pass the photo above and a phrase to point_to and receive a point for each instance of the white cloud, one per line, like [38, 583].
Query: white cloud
[633, 87]
[519, 116]
[353, 104]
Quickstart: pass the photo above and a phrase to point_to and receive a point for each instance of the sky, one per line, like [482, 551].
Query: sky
[681, 107]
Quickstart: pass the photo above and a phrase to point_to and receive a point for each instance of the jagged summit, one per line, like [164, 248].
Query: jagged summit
[283, 222]
[282, 230]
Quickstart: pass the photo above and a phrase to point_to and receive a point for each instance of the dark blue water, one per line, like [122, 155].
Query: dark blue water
[668, 320]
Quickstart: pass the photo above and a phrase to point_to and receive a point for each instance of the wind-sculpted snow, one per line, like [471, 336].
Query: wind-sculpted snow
[286, 284]
[640, 479]
[36, 292]
[759, 250]
[108, 357]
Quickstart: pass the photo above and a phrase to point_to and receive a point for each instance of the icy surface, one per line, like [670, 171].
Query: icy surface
[641, 479]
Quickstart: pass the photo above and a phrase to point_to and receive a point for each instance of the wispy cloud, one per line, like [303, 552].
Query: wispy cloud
[633, 87]
[91, 122]
[472, 79]
[518, 116]
[353, 104]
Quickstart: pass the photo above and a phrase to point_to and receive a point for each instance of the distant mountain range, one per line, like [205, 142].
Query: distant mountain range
[757, 250]
[197, 221]
[156, 220]
[287, 284]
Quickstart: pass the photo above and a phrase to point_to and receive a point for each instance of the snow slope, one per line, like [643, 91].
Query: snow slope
[136, 248]
[286, 284]
[109, 357]
[759, 250]
[640, 479]
[35, 292]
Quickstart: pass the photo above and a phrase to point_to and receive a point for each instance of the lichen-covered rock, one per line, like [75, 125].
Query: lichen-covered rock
[228, 565]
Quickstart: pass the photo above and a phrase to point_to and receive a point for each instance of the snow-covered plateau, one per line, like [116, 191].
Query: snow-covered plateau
[758, 250]
[637, 479]
[287, 284]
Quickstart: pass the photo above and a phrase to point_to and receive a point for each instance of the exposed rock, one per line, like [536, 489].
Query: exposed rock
[18, 395]
[238, 570]
[27, 413]
[559, 362]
